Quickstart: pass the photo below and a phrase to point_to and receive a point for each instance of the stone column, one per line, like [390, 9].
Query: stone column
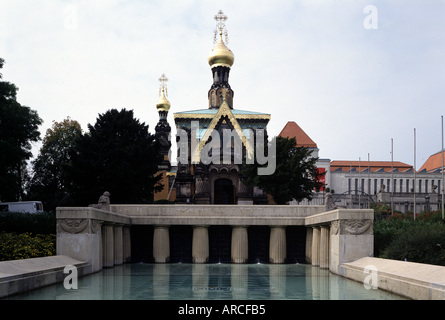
[108, 245]
[127, 244]
[324, 247]
[161, 244]
[98, 261]
[277, 246]
[308, 251]
[200, 244]
[316, 246]
[118, 245]
[240, 245]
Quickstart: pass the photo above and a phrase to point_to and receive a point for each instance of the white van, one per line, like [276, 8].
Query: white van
[23, 206]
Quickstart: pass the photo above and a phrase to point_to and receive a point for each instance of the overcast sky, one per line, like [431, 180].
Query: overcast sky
[353, 74]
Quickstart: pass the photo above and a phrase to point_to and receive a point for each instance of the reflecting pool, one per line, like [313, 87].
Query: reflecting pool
[211, 282]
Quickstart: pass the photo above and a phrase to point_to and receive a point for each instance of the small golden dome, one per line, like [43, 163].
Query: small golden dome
[163, 104]
[221, 55]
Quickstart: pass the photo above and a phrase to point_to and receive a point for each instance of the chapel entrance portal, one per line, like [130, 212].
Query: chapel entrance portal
[224, 192]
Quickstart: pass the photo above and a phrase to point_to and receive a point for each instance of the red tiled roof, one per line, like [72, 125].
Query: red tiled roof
[374, 166]
[433, 162]
[293, 130]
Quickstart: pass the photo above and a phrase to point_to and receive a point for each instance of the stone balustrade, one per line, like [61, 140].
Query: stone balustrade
[102, 238]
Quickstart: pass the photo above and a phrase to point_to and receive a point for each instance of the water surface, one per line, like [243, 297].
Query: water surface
[211, 282]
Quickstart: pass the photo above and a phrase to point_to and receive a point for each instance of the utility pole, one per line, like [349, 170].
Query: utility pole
[392, 177]
[443, 181]
[415, 174]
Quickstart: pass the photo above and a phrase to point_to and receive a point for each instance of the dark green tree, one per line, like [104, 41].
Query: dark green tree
[295, 178]
[117, 155]
[49, 182]
[18, 129]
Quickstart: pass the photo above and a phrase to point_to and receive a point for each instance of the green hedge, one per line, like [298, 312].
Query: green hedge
[420, 243]
[25, 246]
[400, 237]
[25, 235]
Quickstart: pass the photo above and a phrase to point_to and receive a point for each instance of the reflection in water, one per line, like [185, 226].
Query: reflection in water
[210, 282]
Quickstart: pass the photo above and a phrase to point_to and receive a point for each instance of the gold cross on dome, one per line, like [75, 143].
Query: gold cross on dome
[163, 79]
[221, 18]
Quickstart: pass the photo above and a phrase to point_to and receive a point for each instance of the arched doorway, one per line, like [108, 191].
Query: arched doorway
[224, 192]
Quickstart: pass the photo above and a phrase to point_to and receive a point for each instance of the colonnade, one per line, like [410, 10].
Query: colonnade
[317, 246]
[239, 244]
[102, 238]
[116, 244]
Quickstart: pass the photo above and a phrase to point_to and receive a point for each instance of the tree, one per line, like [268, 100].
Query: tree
[117, 155]
[49, 182]
[18, 128]
[295, 177]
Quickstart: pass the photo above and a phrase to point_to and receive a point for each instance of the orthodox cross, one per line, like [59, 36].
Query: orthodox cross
[221, 26]
[163, 79]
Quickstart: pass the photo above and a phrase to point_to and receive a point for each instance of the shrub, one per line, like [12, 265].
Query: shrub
[388, 228]
[381, 208]
[421, 242]
[26, 235]
[399, 237]
[25, 246]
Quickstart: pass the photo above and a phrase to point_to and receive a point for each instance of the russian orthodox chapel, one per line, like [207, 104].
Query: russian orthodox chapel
[196, 180]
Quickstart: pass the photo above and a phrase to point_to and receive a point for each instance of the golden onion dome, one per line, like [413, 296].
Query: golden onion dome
[221, 55]
[163, 104]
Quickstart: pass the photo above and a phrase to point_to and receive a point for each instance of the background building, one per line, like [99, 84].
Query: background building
[359, 184]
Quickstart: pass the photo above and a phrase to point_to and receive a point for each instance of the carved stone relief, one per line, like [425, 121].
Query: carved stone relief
[73, 226]
[76, 226]
[353, 227]
[356, 226]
